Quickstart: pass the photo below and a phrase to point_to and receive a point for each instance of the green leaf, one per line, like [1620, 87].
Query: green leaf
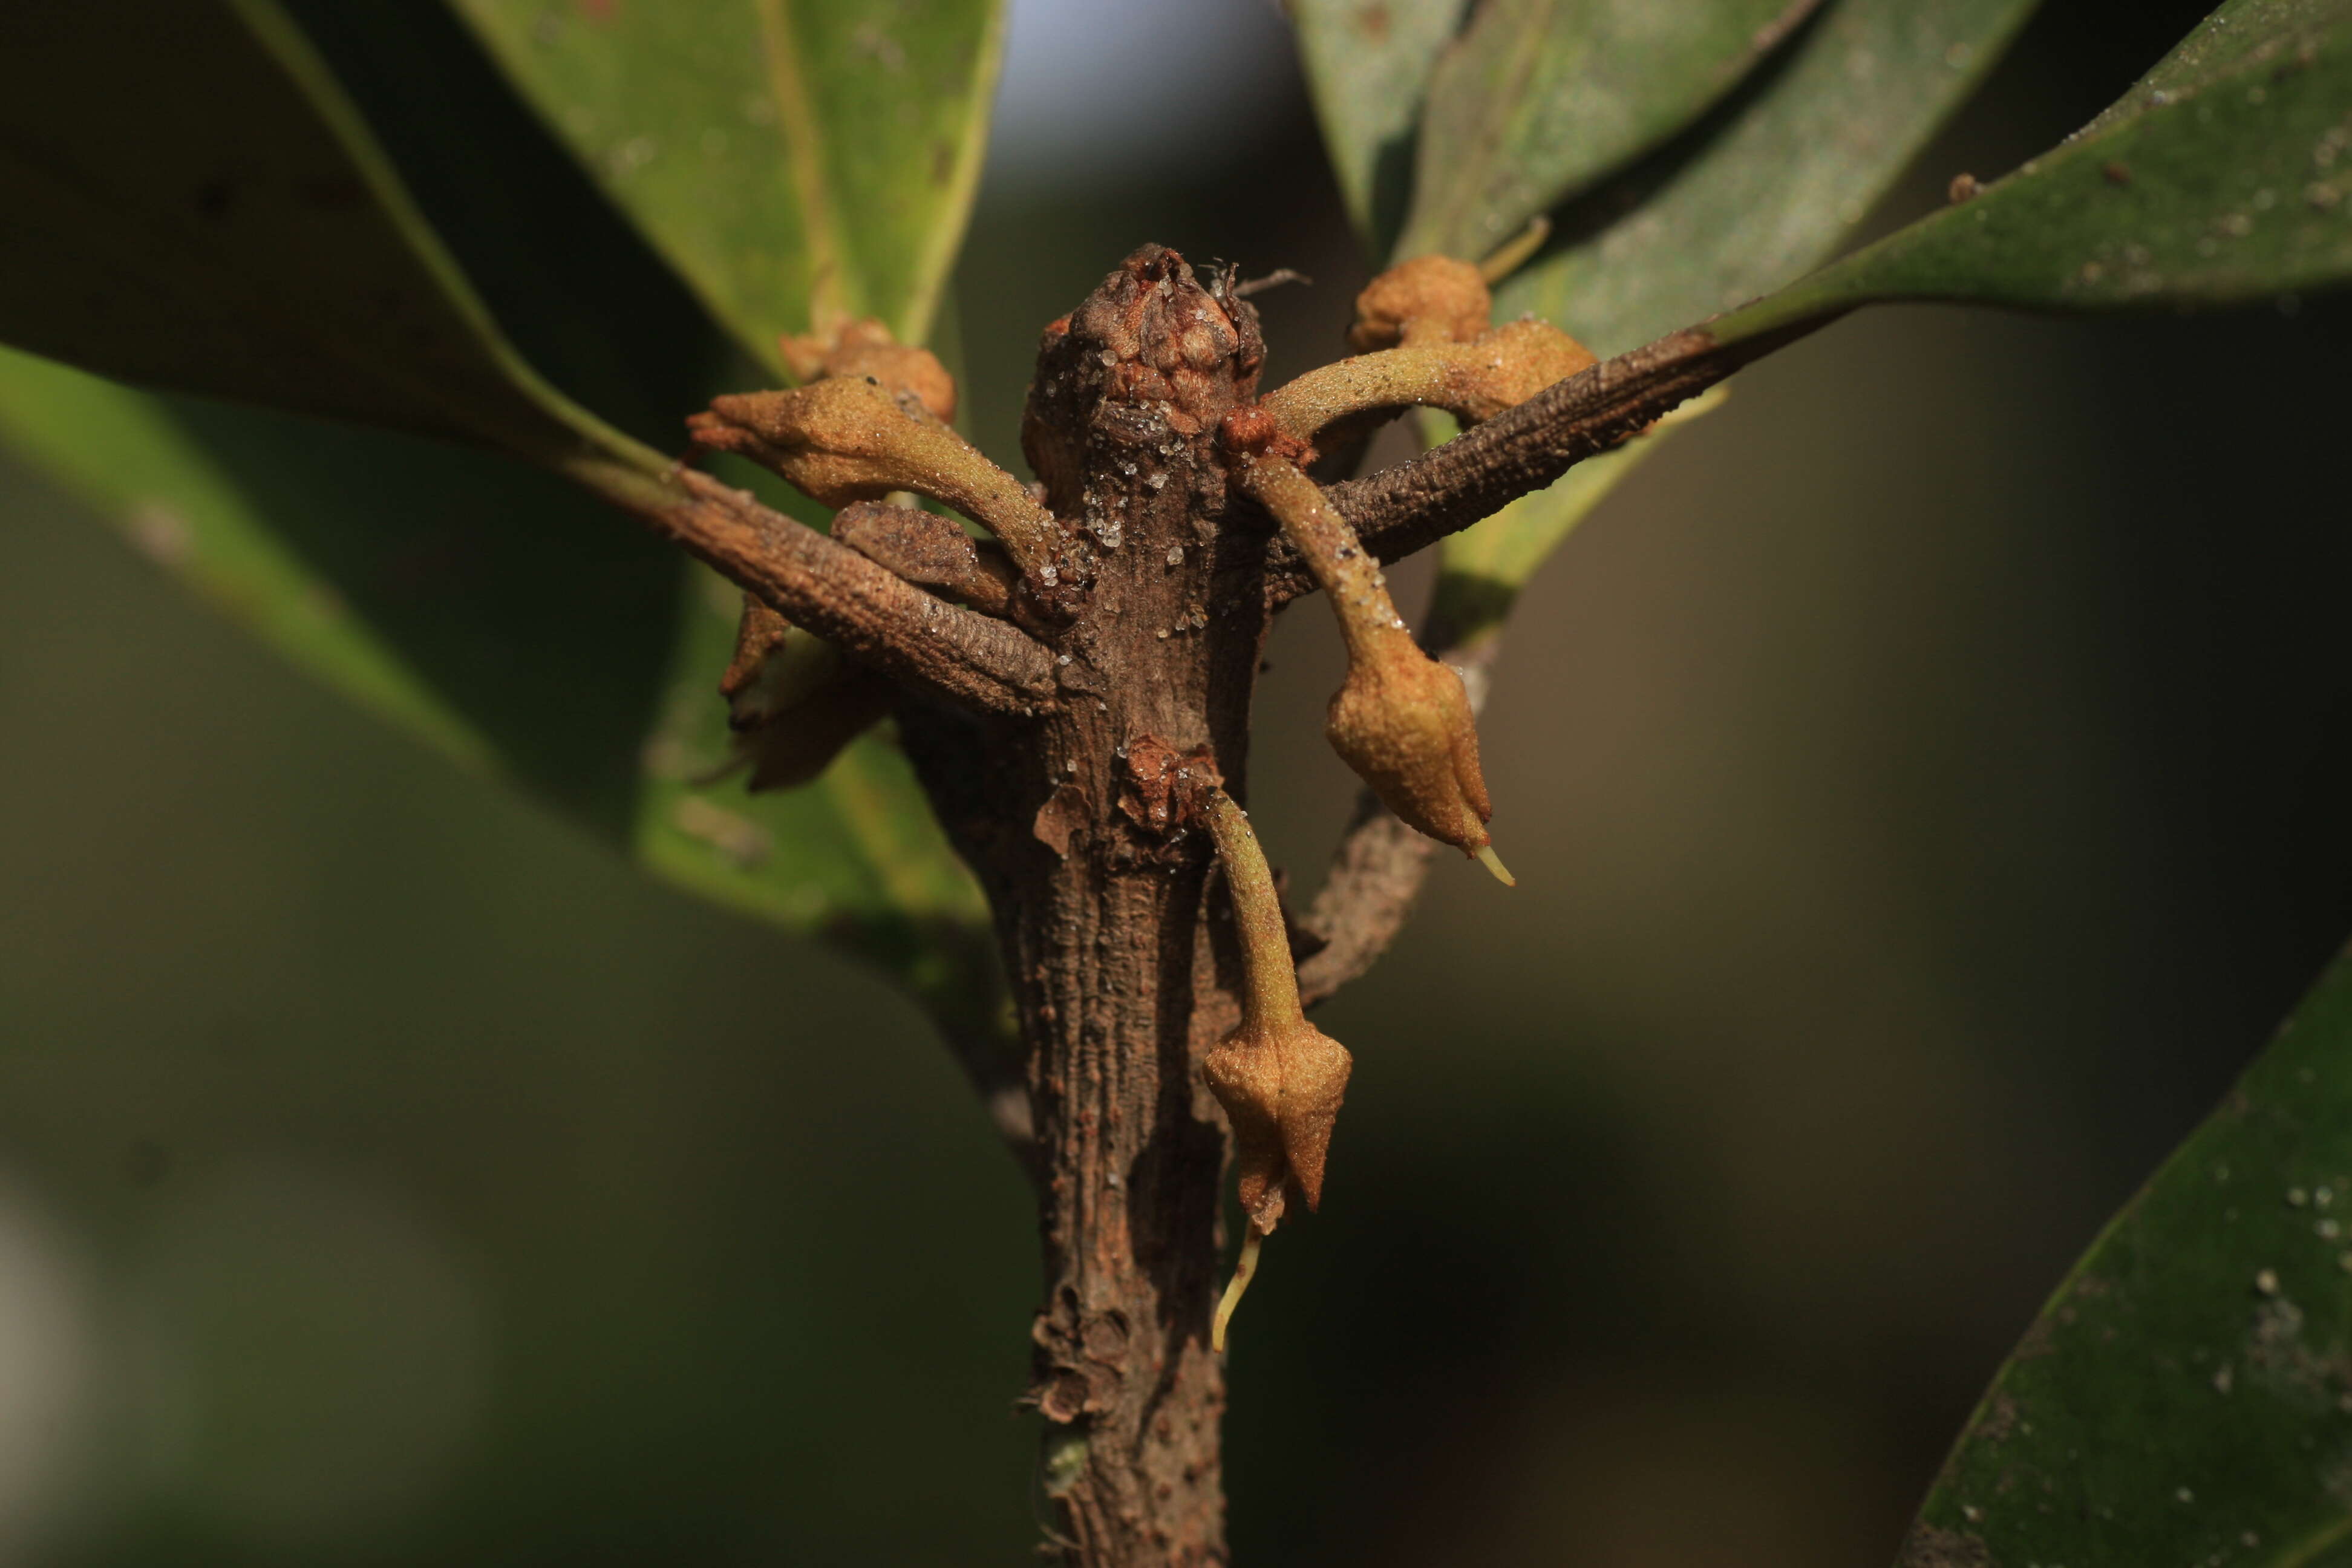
[794, 160]
[1700, 228]
[1368, 64]
[187, 200]
[1541, 97]
[2224, 175]
[2186, 1396]
[518, 626]
[507, 620]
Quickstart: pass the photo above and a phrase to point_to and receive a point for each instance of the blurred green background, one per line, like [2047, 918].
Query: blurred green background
[1926, 787]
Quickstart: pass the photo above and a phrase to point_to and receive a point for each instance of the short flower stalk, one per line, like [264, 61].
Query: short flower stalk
[1279, 1079]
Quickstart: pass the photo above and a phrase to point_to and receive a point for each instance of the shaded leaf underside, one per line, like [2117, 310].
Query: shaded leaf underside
[508, 618]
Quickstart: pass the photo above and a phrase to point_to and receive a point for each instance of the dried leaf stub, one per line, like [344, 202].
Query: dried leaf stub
[1281, 1083]
[1403, 721]
[929, 551]
[792, 701]
[760, 638]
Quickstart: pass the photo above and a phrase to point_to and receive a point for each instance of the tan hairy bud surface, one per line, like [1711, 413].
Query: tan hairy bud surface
[841, 440]
[1431, 298]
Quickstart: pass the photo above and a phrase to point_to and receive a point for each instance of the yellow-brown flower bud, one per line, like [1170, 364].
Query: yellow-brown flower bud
[841, 440]
[863, 349]
[1430, 298]
[1279, 1078]
[1403, 721]
[1473, 379]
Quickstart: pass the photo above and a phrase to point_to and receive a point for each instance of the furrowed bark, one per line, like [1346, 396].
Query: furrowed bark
[1068, 761]
[1080, 826]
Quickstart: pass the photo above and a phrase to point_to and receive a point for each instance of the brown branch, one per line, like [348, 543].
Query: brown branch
[953, 653]
[1405, 509]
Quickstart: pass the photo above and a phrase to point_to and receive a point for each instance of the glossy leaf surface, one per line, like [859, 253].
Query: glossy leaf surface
[1538, 99]
[1368, 65]
[1727, 213]
[2224, 175]
[2186, 1396]
[792, 159]
[187, 200]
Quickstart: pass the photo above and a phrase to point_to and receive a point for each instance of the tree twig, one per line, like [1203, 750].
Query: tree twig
[1405, 509]
[968, 658]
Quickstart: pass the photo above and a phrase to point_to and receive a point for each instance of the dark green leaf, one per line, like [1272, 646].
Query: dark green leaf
[2186, 1396]
[517, 624]
[2225, 175]
[795, 160]
[1803, 152]
[1541, 97]
[186, 199]
[1368, 65]
[507, 620]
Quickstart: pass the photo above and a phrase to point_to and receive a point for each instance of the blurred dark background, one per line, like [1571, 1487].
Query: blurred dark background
[1925, 784]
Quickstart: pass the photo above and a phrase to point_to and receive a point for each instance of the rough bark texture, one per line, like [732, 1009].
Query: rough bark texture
[1065, 747]
[1080, 824]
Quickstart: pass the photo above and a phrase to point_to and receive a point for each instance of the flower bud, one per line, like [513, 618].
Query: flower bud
[1280, 1083]
[1279, 1078]
[863, 349]
[841, 440]
[1430, 298]
[1403, 721]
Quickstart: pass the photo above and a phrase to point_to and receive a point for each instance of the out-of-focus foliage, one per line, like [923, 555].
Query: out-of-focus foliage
[2187, 1391]
[508, 619]
[1538, 99]
[1368, 66]
[193, 203]
[792, 159]
[2224, 175]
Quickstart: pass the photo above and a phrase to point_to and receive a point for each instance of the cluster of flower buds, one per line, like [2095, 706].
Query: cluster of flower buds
[1279, 1078]
[868, 422]
[1403, 721]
